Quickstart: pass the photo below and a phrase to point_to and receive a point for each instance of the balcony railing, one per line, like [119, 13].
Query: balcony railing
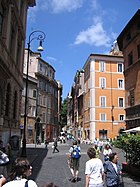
[133, 112]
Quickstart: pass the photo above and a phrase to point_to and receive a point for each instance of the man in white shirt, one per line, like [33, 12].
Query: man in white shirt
[94, 170]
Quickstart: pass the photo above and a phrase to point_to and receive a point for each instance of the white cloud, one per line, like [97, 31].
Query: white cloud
[65, 5]
[94, 35]
[32, 11]
[94, 4]
[56, 6]
[53, 60]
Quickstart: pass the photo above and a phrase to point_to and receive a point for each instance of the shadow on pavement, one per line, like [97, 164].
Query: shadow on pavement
[36, 157]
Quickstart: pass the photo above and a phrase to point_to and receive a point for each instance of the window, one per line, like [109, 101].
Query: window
[12, 40]
[132, 98]
[33, 111]
[1, 17]
[18, 55]
[120, 83]
[15, 105]
[89, 117]
[138, 25]
[34, 93]
[102, 66]
[102, 83]
[89, 102]
[128, 36]
[120, 68]
[88, 83]
[121, 117]
[121, 102]
[138, 49]
[43, 117]
[41, 67]
[102, 101]
[102, 117]
[7, 107]
[130, 59]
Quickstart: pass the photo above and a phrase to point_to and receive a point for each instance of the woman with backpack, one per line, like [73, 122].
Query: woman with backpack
[21, 170]
[74, 161]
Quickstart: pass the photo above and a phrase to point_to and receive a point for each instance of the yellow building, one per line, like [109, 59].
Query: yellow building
[104, 96]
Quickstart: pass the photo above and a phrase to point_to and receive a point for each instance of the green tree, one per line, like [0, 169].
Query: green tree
[64, 112]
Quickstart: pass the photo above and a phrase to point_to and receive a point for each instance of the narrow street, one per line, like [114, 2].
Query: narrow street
[49, 167]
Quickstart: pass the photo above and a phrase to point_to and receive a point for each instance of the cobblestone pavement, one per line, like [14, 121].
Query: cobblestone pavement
[53, 167]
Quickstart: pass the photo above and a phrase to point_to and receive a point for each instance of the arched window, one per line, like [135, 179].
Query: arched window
[15, 105]
[7, 106]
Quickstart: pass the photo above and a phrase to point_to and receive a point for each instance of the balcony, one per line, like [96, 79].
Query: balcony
[133, 112]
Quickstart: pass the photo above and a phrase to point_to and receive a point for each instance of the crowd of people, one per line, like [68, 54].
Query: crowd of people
[98, 173]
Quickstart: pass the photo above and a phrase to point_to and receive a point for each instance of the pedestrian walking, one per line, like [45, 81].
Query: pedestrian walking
[94, 170]
[112, 169]
[100, 145]
[21, 170]
[74, 161]
[106, 152]
[97, 149]
[55, 146]
[4, 160]
[46, 144]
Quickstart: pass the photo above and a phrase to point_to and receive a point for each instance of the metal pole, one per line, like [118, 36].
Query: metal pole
[23, 154]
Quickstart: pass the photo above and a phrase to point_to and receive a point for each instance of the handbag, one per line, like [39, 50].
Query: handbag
[3, 158]
[121, 184]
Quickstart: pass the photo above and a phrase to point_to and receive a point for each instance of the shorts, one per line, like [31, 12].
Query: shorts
[74, 164]
[96, 185]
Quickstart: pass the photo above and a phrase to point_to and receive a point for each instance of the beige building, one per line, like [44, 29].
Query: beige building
[44, 100]
[13, 16]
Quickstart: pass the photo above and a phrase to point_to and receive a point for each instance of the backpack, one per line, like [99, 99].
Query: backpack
[3, 159]
[76, 153]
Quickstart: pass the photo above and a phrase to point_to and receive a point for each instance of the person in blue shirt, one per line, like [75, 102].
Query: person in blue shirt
[112, 170]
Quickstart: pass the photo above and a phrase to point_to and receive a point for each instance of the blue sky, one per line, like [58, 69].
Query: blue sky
[76, 28]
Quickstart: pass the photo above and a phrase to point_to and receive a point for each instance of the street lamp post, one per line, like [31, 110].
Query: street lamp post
[39, 35]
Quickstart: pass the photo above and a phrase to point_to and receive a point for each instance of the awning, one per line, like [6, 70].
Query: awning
[136, 129]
